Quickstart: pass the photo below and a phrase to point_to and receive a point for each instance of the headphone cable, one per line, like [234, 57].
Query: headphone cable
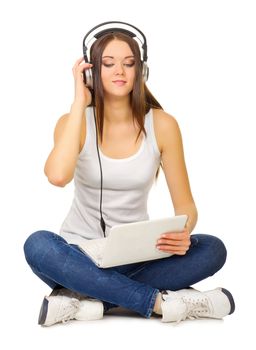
[102, 222]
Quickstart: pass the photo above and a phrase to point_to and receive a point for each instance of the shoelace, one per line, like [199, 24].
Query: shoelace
[195, 309]
[68, 293]
[70, 310]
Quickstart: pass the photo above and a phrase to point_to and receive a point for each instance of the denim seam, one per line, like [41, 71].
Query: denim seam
[139, 269]
[152, 303]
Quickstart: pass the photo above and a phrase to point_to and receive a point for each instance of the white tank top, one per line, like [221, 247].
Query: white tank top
[126, 184]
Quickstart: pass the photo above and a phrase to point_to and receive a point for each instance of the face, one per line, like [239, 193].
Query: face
[118, 68]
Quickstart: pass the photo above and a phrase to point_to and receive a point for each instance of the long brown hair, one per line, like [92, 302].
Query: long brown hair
[141, 98]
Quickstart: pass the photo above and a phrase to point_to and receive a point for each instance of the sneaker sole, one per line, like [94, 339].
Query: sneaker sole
[43, 312]
[231, 300]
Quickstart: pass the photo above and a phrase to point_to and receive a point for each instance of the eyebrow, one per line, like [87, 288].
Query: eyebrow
[114, 57]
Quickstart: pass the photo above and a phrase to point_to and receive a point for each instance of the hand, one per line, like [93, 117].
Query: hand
[174, 242]
[82, 93]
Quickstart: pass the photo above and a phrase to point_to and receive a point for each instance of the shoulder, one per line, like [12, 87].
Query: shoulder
[166, 128]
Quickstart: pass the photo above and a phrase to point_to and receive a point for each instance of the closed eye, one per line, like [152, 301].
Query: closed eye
[129, 64]
[109, 65]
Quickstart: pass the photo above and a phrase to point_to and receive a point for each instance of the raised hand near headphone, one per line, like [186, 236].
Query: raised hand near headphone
[82, 93]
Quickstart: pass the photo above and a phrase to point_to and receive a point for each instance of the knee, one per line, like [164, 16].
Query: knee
[34, 243]
[220, 252]
[214, 250]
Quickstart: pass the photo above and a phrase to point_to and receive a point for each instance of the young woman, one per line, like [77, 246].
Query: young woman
[135, 137]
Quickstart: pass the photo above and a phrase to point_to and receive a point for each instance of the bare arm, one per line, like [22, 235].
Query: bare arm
[61, 162]
[174, 168]
[175, 171]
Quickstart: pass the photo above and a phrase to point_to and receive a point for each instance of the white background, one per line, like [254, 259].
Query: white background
[202, 70]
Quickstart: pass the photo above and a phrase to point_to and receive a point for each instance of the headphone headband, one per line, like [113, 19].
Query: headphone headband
[130, 30]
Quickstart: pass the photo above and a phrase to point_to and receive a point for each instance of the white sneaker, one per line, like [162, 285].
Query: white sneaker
[90, 310]
[63, 305]
[190, 303]
[57, 308]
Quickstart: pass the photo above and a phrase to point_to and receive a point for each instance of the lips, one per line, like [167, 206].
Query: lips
[119, 82]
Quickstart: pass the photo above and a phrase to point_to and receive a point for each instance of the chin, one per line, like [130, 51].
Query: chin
[117, 93]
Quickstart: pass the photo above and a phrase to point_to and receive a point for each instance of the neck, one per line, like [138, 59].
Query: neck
[117, 111]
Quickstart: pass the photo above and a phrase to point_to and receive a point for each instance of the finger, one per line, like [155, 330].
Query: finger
[178, 238]
[184, 242]
[80, 60]
[180, 250]
[173, 247]
[176, 243]
[181, 253]
[77, 71]
[175, 235]
[82, 66]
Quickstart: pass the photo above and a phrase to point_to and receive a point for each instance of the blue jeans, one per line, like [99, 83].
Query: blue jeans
[132, 286]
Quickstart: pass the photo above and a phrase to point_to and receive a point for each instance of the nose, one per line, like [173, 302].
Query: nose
[119, 69]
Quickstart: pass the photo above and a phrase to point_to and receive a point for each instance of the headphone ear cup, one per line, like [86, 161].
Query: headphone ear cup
[145, 71]
[88, 79]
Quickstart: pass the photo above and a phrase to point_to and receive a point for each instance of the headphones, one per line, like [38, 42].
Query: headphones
[115, 26]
